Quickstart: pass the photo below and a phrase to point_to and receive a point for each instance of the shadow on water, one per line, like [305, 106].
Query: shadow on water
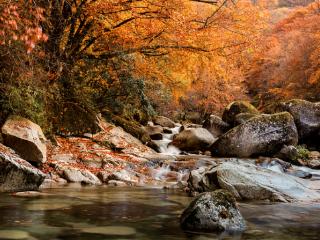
[120, 213]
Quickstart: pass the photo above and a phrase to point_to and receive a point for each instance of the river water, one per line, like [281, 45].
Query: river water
[95, 213]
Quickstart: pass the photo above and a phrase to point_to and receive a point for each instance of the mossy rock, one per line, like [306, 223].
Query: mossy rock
[243, 117]
[213, 212]
[235, 108]
[306, 116]
[262, 135]
[131, 127]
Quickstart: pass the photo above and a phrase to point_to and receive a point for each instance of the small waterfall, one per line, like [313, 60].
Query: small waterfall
[165, 173]
[164, 145]
[161, 173]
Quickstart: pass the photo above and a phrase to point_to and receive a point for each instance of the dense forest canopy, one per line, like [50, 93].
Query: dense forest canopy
[139, 58]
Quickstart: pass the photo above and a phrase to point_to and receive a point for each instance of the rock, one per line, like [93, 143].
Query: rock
[293, 154]
[314, 155]
[288, 153]
[103, 176]
[17, 174]
[14, 234]
[192, 125]
[157, 136]
[116, 183]
[247, 181]
[193, 139]
[216, 126]
[201, 180]
[30, 194]
[79, 176]
[243, 117]
[123, 176]
[262, 135]
[119, 139]
[180, 185]
[306, 116]
[120, 231]
[151, 130]
[314, 163]
[193, 117]
[235, 108]
[93, 162]
[64, 158]
[213, 212]
[164, 122]
[26, 138]
[131, 127]
[52, 183]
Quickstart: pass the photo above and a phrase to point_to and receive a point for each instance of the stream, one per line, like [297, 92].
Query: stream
[76, 212]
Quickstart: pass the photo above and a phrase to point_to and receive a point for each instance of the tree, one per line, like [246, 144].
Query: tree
[287, 66]
[20, 22]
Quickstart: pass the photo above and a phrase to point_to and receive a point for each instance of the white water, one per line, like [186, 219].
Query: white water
[164, 144]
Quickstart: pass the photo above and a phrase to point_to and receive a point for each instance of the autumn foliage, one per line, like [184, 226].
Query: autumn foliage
[20, 22]
[287, 66]
[139, 58]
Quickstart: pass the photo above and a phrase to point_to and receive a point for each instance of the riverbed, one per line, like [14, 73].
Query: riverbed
[76, 212]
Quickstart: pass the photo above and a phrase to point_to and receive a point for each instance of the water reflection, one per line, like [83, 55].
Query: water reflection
[119, 213]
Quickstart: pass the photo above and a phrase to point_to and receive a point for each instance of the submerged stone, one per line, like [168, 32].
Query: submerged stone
[14, 234]
[110, 230]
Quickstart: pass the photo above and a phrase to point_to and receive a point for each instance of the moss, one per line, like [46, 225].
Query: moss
[129, 126]
[235, 108]
[303, 153]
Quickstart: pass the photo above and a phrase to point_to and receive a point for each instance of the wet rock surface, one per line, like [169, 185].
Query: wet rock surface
[246, 181]
[17, 174]
[213, 212]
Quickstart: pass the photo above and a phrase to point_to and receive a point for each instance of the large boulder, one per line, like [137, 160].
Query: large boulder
[262, 135]
[249, 182]
[215, 125]
[235, 108]
[26, 138]
[246, 181]
[120, 140]
[306, 116]
[17, 174]
[164, 122]
[193, 139]
[213, 212]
